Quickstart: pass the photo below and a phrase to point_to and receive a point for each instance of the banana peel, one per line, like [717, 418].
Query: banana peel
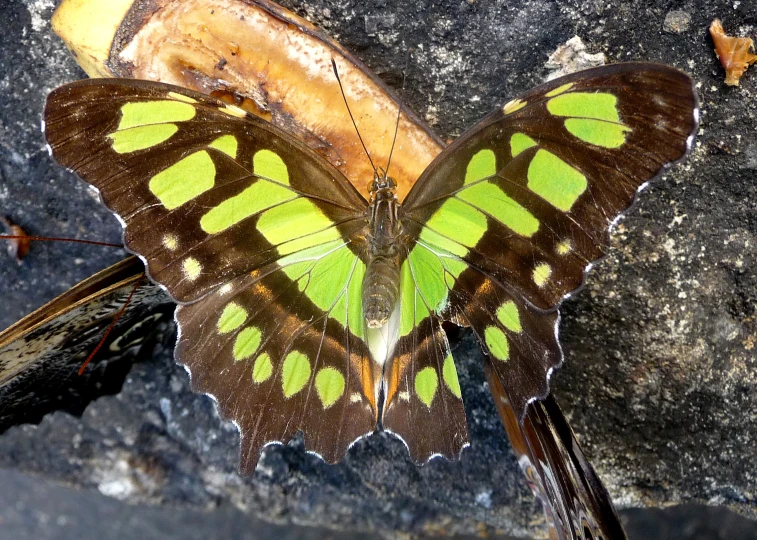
[263, 58]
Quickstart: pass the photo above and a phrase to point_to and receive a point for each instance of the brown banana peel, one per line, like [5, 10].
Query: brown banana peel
[263, 58]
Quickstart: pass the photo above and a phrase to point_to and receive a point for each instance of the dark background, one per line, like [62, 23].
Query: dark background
[660, 376]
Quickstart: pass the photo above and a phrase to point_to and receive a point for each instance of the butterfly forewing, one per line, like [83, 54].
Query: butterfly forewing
[528, 195]
[206, 191]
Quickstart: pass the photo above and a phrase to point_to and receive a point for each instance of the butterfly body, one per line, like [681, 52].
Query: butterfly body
[381, 284]
[303, 306]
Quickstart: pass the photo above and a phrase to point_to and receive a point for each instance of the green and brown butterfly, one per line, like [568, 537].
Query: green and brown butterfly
[304, 306]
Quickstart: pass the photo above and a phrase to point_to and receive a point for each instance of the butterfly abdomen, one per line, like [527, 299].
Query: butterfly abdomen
[381, 283]
[380, 289]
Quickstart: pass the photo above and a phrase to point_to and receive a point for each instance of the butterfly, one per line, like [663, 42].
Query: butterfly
[41, 354]
[275, 259]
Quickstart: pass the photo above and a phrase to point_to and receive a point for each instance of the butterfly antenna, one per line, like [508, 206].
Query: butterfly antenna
[112, 325]
[399, 110]
[344, 97]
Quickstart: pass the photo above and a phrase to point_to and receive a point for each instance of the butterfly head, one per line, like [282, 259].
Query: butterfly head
[382, 186]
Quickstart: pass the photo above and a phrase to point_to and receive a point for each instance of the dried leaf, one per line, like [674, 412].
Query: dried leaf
[733, 53]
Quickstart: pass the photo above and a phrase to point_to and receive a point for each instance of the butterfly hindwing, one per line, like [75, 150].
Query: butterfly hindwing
[437, 284]
[527, 196]
[521, 341]
[421, 377]
[423, 399]
[576, 503]
[289, 362]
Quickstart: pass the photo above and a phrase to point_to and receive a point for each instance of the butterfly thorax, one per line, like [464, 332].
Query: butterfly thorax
[382, 277]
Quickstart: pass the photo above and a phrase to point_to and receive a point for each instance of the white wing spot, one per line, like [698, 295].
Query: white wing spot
[226, 289]
[512, 106]
[541, 274]
[564, 247]
[233, 110]
[170, 242]
[192, 268]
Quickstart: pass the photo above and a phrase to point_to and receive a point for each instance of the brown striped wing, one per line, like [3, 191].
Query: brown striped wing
[423, 402]
[576, 503]
[257, 238]
[308, 370]
[41, 354]
[524, 200]
[423, 399]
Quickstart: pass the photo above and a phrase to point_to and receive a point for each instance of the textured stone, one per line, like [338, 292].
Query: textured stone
[676, 21]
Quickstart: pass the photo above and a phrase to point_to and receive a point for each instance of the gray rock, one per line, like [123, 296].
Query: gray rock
[676, 21]
[661, 374]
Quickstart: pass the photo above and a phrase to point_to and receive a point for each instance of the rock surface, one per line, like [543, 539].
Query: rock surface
[660, 382]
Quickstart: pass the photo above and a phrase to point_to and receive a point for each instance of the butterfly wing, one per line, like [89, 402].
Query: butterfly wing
[524, 200]
[421, 378]
[257, 238]
[575, 501]
[423, 399]
[288, 341]
[41, 354]
[171, 161]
